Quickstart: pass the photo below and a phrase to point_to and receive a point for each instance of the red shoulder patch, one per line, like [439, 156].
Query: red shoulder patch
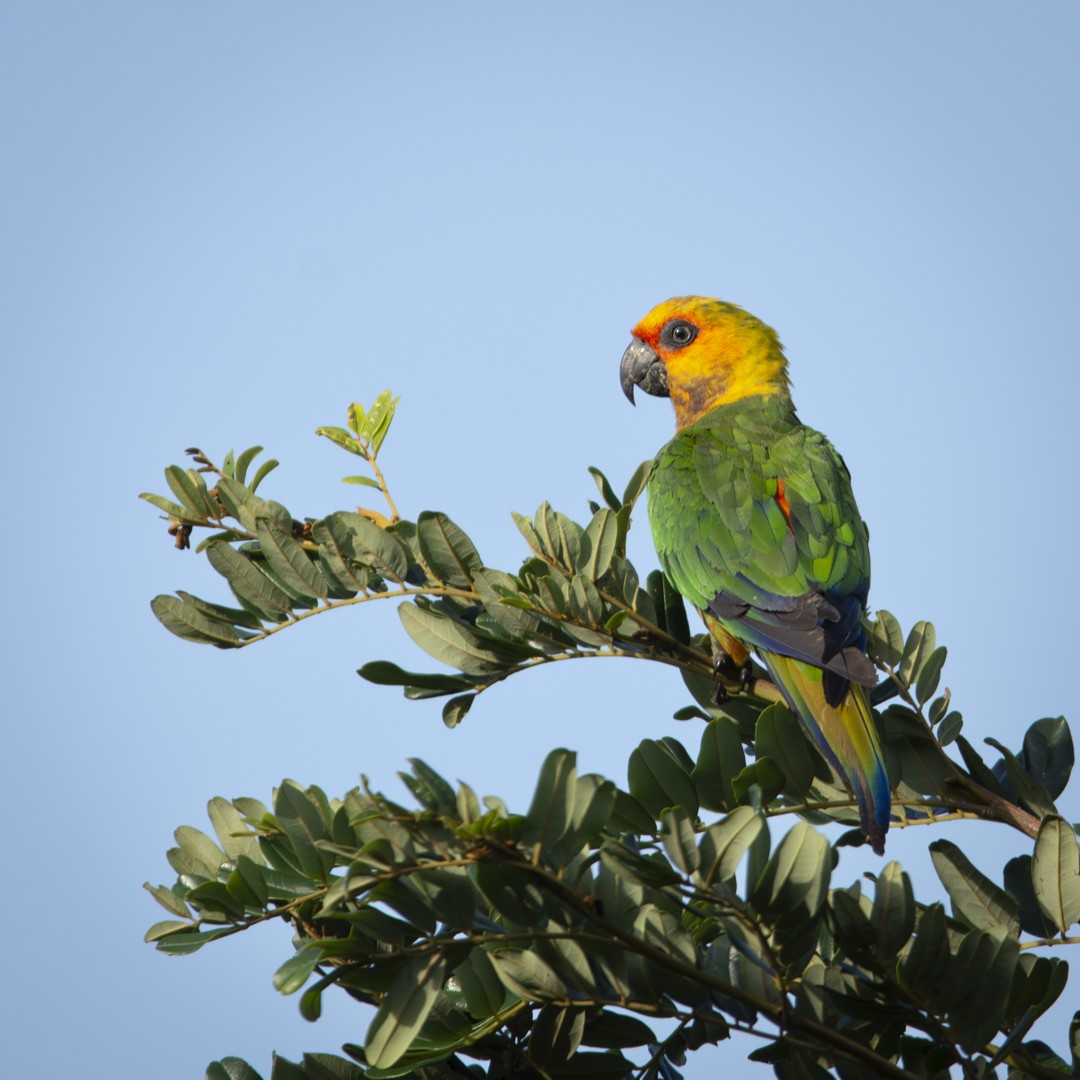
[781, 500]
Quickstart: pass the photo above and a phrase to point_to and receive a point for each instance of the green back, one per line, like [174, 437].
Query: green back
[719, 528]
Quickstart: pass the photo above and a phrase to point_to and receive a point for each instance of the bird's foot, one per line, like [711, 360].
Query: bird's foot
[727, 671]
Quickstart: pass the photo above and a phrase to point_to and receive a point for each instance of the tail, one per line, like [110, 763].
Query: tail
[845, 734]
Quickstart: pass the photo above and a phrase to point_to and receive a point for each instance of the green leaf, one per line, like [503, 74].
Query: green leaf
[616, 1031]
[231, 1068]
[296, 971]
[247, 581]
[921, 969]
[606, 490]
[1047, 755]
[527, 975]
[183, 618]
[404, 1009]
[1018, 885]
[190, 488]
[265, 469]
[456, 709]
[886, 639]
[679, 839]
[243, 462]
[930, 674]
[975, 897]
[365, 542]
[636, 484]
[984, 964]
[196, 845]
[1055, 872]
[1032, 795]
[174, 510]
[448, 552]
[893, 914]
[341, 438]
[384, 673]
[164, 929]
[720, 760]
[478, 981]
[168, 900]
[723, 845]
[796, 877]
[555, 1036]
[362, 481]
[602, 538]
[764, 775]
[552, 809]
[779, 736]
[233, 834]
[303, 824]
[450, 642]
[660, 776]
[917, 649]
[289, 560]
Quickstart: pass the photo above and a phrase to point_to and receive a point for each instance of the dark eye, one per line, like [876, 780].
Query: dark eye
[677, 334]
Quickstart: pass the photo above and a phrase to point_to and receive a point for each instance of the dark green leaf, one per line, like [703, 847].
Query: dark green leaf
[616, 1031]
[1018, 885]
[720, 760]
[552, 809]
[975, 897]
[456, 709]
[1048, 754]
[1032, 795]
[764, 776]
[523, 973]
[660, 776]
[924, 964]
[893, 915]
[385, 673]
[303, 824]
[231, 1068]
[929, 675]
[779, 736]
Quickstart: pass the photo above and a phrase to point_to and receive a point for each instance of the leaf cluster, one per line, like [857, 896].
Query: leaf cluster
[610, 932]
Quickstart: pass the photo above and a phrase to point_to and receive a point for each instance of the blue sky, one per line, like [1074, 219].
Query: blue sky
[223, 222]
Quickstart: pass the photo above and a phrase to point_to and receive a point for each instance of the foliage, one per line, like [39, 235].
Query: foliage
[604, 932]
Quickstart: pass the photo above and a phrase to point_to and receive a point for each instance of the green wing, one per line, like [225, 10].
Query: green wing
[754, 521]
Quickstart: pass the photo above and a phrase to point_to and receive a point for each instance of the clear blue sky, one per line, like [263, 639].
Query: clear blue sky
[223, 222]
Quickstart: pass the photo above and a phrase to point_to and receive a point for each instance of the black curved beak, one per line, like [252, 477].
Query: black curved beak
[642, 367]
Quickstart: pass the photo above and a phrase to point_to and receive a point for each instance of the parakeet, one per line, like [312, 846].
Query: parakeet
[756, 525]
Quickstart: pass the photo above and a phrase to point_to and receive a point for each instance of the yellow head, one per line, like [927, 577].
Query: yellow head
[702, 353]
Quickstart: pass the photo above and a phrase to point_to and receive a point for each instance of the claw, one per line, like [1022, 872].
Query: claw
[726, 669]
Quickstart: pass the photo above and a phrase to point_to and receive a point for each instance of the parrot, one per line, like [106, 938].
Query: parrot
[755, 524]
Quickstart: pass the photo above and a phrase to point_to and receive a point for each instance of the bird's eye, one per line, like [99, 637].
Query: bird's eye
[678, 333]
